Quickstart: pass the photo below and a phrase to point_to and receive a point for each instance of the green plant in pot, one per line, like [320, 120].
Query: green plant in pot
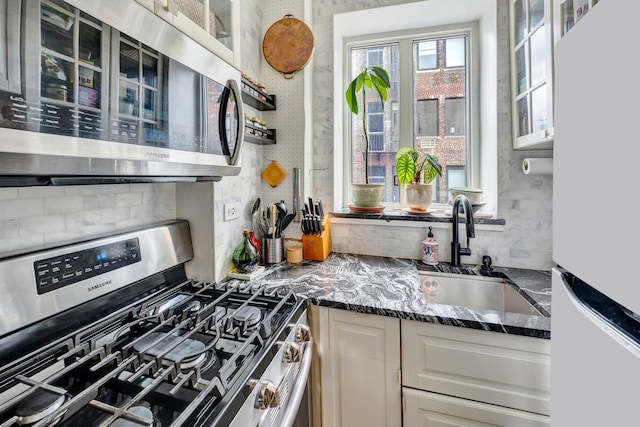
[377, 78]
[415, 171]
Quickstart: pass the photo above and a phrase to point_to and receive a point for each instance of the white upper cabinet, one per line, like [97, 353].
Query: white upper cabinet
[212, 23]
[532, 73]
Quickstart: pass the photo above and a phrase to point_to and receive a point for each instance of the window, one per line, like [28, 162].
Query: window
[427, 117]
[375, 126]
[454, 116]
[427, 55]
[421, 114]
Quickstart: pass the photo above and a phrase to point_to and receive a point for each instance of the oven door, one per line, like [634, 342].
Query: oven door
[280, 397]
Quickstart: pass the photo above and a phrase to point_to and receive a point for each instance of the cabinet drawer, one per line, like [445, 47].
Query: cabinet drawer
[501, 369]
[425, 409]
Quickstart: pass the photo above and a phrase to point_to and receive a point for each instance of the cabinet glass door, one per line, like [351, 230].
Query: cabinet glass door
[532, 72]
[213, 16]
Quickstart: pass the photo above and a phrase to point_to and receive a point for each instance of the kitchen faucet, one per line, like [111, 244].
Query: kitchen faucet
[456, 250]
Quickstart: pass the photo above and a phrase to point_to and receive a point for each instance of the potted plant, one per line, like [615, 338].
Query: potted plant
[415, 171]
[375, 77]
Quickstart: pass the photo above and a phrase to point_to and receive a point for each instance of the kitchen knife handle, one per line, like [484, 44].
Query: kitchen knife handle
[311, 206]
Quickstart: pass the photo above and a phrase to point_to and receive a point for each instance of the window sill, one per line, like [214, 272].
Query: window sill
[403, 218]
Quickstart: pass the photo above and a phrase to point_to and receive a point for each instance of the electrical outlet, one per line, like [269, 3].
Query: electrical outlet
[231, 211]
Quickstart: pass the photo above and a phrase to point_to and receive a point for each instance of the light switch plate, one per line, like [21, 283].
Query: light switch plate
[231, 211]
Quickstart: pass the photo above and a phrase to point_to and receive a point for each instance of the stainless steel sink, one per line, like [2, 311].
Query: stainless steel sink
[475, 292]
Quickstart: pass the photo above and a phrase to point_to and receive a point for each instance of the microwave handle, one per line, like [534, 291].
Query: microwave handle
[232, 84]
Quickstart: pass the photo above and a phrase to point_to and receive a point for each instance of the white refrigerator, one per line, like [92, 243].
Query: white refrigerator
[595, 322]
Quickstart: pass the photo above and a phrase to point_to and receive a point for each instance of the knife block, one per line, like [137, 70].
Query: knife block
[317, 247]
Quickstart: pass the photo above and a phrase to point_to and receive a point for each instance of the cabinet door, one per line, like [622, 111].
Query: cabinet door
[10, 46]
[211, 23]
[532, 73]
[500, 369]
[360, 369]
[424, 409]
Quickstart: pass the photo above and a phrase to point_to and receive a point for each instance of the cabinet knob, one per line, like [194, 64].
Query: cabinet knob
[303, 334]
[292, 353]
[268, 395]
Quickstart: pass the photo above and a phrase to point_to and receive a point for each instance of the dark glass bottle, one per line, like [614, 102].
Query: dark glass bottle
[245, 256]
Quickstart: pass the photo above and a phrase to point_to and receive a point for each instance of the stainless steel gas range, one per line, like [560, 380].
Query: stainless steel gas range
[110, 331]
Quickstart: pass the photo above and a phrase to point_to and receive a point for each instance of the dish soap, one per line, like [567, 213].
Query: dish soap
[430, 249]
[245, 256]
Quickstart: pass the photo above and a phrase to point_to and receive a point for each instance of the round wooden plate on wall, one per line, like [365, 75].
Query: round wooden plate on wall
[287, 45]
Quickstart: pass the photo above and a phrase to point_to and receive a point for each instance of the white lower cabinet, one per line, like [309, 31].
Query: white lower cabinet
[360, 369]
[467, 377]
[451, 376]
[426, 409]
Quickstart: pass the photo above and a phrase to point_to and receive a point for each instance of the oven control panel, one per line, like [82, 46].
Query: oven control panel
[64, 270]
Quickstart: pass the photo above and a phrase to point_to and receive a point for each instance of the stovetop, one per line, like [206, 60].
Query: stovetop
[167, 353]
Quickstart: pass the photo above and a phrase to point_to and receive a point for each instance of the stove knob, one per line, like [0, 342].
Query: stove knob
[303, 334]
[268, 395]
[292, 353]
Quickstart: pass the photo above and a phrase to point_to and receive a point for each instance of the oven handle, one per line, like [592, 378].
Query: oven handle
[298, 389]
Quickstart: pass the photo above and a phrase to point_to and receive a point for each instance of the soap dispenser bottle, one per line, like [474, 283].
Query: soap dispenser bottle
[430, 250]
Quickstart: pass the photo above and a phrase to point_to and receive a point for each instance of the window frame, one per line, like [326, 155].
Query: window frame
[407, 37]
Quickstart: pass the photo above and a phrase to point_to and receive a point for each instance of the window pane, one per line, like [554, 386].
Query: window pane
[455, 52]
[523, 117]
[427, 55]
[536, 12]
[519, 16]
[454, 116]
[382, 124]
[539, 109]
[440, 119]
[521, 70]
[538, 57]
[427, 117]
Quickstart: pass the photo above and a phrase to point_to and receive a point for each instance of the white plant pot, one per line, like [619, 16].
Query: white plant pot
[418, 196]
[367, 195]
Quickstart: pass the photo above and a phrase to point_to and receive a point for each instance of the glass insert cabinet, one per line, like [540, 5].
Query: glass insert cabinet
[212, 23]
[532, 73]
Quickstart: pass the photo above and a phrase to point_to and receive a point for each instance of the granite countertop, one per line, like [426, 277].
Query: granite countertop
[391, 287]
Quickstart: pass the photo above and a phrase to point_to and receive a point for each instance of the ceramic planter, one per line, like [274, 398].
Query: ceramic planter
[367, 195]
[418, 196]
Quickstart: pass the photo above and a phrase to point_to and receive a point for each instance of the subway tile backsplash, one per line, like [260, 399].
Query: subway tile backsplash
[33, 217]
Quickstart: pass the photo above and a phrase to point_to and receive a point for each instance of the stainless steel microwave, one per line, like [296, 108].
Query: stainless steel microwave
[95, 92]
